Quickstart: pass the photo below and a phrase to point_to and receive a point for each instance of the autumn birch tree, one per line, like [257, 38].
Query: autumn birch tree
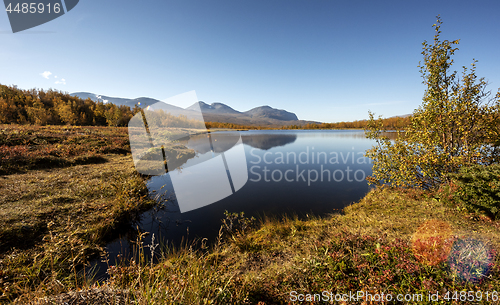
[457, 124]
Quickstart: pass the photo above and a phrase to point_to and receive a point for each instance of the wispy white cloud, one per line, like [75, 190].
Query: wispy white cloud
[61, 82]
[46, 74]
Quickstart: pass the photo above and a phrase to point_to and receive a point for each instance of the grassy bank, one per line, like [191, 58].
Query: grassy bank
[54, 220]
[392, 241]
[64, 192]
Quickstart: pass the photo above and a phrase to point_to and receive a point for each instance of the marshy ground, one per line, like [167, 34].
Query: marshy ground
[65, 191]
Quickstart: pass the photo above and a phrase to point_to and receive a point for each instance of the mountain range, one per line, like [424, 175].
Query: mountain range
[215, 112]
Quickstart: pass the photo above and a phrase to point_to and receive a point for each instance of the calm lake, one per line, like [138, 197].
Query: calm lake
[302, 172]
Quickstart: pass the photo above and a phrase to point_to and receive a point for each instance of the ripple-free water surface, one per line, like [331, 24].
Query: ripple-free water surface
[289, 172]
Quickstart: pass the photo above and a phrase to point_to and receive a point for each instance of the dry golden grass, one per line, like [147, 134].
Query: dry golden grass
[55, 218]
[57, 215]
[368, 248]
[84, 193]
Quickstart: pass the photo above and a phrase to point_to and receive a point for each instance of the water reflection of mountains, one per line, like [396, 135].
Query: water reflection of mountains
[224, 141]
[220, 142]
[268, 141]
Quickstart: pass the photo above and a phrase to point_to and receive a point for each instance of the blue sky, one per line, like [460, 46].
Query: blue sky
[324, 60]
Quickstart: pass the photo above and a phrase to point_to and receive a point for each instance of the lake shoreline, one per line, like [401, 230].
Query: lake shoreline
[262, 261]
[56, 209]
[278, 259]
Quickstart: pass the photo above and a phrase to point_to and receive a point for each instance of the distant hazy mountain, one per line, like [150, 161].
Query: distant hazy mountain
[217, 108]
[271, 113]
[262, 112]
[223, 108]
[264, 115]
[144, 101]
[215, 112]
[401, 116]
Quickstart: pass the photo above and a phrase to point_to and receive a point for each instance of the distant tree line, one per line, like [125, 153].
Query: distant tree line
[212, 125]
[395, 123]
[53, 107]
